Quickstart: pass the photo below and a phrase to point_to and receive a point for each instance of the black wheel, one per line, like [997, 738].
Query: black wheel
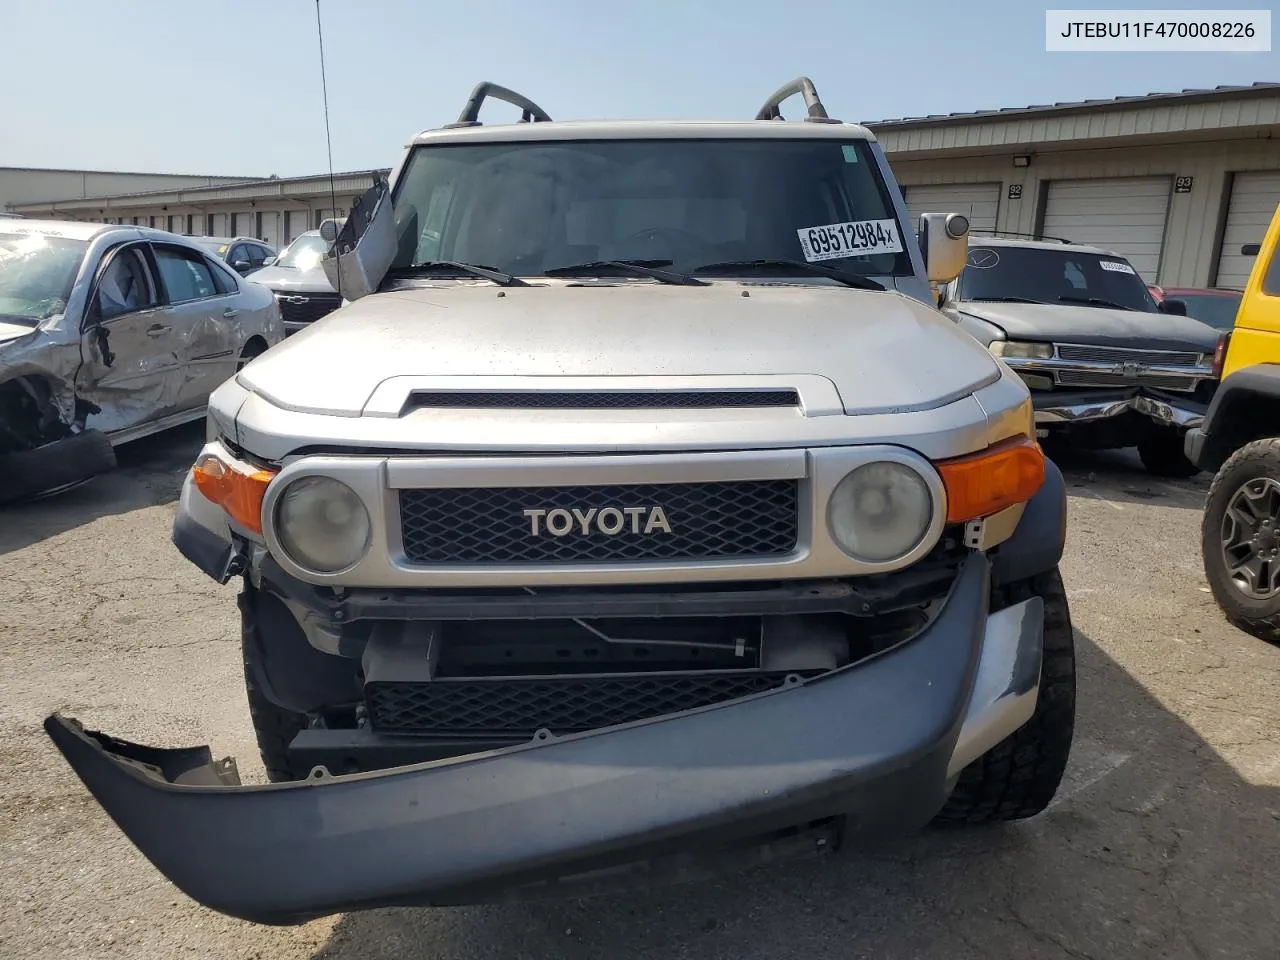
[1018, 777]
[253, 349]
[55, 467]
[1164, 456]
[1240, 539]
[274, 726]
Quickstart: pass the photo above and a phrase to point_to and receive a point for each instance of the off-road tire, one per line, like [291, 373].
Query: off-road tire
[274, 726]
[1018, 777]
[55, 466]
[1261, 618]
[1164, 456]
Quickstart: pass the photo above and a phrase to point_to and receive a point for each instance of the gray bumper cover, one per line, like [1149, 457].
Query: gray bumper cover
[878, 743]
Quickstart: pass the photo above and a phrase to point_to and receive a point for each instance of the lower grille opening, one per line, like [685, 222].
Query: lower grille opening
[514, 678]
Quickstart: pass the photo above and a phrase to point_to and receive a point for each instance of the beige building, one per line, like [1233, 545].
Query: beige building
[1176, 182]
[22, 185]
[273, 209]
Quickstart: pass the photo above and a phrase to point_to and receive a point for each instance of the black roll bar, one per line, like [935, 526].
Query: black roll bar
[471, 111]
[803, 86]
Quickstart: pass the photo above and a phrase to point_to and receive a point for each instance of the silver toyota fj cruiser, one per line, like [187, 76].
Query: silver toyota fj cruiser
[640, 509]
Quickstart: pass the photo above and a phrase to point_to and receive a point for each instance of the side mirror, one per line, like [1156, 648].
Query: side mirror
[240, 266]
[269, 261]
[1176, 307]
[1251, 249]
[944, 241]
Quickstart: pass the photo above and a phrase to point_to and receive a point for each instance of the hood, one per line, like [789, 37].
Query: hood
[882, 351]
[291, 279]
[1065, 323]
[14, 331]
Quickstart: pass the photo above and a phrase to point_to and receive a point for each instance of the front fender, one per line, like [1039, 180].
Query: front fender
[1037, 544]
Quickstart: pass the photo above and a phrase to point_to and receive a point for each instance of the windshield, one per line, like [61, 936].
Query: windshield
[1217, 311]
[1046, 275]
[216, 247]
[527, 208]
[304, 253]
[37, 272]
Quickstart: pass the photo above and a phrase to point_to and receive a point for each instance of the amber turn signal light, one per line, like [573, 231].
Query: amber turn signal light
[980, 484]
[235, 486]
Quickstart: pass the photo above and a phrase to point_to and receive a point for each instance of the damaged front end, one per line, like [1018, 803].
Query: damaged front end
[44, 448]
[864, 749]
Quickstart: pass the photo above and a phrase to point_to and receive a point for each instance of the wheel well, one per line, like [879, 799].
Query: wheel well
[28, 414]
[1245, 416]
[253, 346]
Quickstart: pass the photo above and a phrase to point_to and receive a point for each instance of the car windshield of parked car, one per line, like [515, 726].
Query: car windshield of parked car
[1045, 275]
[37, 272]
[217, 247]
[532, 207]
[304, 253]
[1214, 309]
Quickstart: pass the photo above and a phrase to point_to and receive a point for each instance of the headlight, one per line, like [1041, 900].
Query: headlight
[1021, 350]
[322, 524]
[880, 511]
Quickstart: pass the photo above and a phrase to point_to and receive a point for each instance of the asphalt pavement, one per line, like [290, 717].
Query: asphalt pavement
[1164, 841]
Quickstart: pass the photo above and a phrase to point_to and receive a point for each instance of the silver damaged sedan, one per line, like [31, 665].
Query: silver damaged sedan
[109, 333]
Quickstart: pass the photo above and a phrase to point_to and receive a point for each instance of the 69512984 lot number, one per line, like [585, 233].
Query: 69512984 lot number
[858, 238]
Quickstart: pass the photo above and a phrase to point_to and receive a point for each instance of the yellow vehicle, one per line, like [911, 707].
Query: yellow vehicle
[1239, 441]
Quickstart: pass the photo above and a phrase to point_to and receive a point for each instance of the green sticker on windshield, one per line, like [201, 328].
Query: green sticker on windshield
[850, 153]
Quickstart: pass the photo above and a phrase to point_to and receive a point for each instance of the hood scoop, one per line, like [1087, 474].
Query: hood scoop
[597, 399]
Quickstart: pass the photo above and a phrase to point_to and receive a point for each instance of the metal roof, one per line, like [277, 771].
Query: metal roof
[1079, 106]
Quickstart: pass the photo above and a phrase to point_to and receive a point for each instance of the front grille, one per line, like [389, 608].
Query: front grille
[520, 707]
[1168, 358]
[736, 519]
[605, 399]
[1093, 378]
[306, 307]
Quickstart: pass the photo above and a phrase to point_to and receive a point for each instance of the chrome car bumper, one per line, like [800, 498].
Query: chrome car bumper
[1065, 409]
[876, 745]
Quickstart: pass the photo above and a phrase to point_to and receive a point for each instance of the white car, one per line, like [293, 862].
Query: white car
[109, 333]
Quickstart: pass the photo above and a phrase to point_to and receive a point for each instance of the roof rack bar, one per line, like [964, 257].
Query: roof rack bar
[801, 85]
[471, 111]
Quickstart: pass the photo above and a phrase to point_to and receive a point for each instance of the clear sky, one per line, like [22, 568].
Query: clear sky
[232, 87]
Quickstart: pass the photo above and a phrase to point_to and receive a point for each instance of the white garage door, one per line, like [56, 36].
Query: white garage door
[221, 226]
[1126, 215]
[1254, 197]
[980, 202]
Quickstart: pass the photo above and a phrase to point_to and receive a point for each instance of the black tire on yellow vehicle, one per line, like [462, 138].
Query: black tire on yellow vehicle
[1240, 539]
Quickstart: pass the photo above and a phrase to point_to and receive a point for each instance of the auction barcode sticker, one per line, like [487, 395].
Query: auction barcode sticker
[1114, 266]
[858, 238]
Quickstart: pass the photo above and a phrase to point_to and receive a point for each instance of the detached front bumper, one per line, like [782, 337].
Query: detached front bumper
[876, 744]
[1063, 409]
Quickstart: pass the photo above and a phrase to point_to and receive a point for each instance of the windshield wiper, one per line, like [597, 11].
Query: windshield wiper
[1094, 302]
[642, 268]
[445, 267]
[1003, 300]
[796, 266]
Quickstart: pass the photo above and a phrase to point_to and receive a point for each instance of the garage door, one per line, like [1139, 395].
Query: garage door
[296, 222]
[1254, 197]
[980, 202]
[1126, 215]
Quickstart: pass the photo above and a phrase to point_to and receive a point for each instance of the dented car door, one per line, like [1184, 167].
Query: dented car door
[201, 304]
[131, 368]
